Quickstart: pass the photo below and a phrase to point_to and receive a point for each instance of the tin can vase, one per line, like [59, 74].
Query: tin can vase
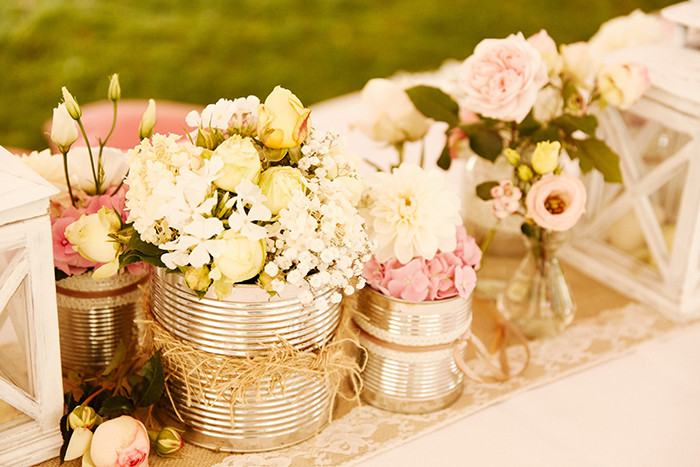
[94, 315]
[410, 347]
[273, 414]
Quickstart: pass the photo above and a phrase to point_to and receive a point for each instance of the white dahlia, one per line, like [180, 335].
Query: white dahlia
[412, 213]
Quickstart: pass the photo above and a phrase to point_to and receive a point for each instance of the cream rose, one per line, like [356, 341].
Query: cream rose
[120, 442]
[279, 184]
[241, 161]
[556, 202]
[548, 48]
[502, 77]
[242, 259]
[283, 121]
[389, 114]
[622, 84]
[90, 235]
[633, 30]
[579, 63]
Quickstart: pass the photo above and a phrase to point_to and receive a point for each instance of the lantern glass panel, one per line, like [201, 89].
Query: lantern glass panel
[15, 354]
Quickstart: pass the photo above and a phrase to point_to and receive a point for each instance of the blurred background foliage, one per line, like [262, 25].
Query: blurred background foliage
[200, 50]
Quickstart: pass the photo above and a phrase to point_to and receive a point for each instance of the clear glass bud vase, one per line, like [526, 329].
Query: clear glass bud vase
[537, 299]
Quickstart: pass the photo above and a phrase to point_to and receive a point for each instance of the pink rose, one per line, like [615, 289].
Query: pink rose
[502, 77]
[408, 282]
[120, 442]
[556, 202]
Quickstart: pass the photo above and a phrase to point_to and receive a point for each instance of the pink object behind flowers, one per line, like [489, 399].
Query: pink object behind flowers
[446, 275]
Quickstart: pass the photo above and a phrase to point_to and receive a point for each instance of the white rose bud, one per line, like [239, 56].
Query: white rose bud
[283, 121]
[279, 184]
[621, 85]
[63, 129]
[90, 235]
[148, 120]
[241, 161]
[242, 259]
[71, 104]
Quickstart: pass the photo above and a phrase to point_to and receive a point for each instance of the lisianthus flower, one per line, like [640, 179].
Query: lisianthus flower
[556, 202]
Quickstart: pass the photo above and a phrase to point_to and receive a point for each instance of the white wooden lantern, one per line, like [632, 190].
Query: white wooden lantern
[31, 395]
[643, 237]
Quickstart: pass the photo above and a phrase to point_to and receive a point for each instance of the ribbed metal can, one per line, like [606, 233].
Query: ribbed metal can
[410, 364]
[244, 325]
[94, 315]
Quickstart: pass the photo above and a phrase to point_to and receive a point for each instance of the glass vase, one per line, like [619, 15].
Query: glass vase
[537, 299]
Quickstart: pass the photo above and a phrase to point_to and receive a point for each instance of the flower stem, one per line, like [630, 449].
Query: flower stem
[65, 172]
[92, 160]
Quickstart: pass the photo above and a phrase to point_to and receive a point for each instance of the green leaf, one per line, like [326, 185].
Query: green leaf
[530, 230]
[571, 123]
[547, 133]
[137, 250]
[444, 161]
[115, 406]
[119, 355]
[594, 152]
[434, 103]
[528, 126]
[485, 143]
[483, 190]
[151, 387]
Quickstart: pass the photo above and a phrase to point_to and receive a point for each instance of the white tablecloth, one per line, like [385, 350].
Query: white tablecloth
[640, 410]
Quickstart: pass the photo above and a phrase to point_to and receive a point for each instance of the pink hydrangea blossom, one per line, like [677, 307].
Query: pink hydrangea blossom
[448, 274]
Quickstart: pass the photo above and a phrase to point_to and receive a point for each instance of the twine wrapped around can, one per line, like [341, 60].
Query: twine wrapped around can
[94, 315]
[248, 373]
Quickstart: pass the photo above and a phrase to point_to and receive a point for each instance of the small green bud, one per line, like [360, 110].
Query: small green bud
[71, 104]
[83, 417]
[525, 173]
[168, 441]
[115, 91]
[512, 156]
[148, 120]
[197, 278]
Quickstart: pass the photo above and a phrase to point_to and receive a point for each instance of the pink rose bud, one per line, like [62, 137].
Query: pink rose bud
[120, 442]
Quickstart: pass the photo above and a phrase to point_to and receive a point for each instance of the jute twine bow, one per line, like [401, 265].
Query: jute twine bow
[231, 378]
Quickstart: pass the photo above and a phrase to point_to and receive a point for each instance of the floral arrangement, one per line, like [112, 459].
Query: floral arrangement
[100, 423]
[254, 195]
[534, 104]
[90, 181]
[424, 252]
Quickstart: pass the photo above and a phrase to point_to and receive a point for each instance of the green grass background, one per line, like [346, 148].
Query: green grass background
[198, 51]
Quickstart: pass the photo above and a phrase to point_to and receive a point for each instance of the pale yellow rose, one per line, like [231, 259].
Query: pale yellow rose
[279, 184]
[546, 157]
[241, 161]
[242, 259]
[283, 121]
[579, 63]
[90, 235]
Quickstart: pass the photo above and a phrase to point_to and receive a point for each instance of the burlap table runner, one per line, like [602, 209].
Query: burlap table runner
[607, 326]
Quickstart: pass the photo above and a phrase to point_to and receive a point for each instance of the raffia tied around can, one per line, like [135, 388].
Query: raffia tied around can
[242, 398]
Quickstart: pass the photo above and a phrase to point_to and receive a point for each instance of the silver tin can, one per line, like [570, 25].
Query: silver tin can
[94, 315]
[410, 363]
[243, 325]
